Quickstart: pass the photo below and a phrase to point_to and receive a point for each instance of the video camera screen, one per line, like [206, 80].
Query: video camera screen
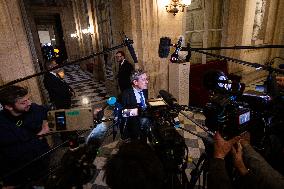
[243, 118]
[130, 112]
[60, 121]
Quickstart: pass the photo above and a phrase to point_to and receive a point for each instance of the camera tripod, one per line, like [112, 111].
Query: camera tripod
[201, 167]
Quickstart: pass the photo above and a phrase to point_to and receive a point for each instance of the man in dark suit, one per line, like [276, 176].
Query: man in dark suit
[135, 97]
[124, 72]
[59, 91]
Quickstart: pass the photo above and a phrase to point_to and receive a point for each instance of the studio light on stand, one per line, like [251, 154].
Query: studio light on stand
[176, 6]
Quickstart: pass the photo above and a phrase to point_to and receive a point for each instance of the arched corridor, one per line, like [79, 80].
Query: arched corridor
[33, 33]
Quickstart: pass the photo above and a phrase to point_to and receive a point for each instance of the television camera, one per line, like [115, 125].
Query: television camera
[225, 112]
[167, 142]
[77, 166]
[72, 165]
[232, 112]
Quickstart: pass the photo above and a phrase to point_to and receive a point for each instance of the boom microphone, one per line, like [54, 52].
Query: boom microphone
[281, 66]
[131, 50]
[110, 102]
[164, 47]
[175, 56]
[168, 98]
[113, 103]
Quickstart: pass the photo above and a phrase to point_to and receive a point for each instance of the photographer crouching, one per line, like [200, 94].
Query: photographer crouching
[253, 170]
[22, 124]
[133, 99]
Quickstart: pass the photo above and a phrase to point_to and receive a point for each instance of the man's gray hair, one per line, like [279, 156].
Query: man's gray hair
[136, 74]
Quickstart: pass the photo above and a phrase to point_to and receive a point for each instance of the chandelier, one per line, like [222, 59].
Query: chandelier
[176, 6]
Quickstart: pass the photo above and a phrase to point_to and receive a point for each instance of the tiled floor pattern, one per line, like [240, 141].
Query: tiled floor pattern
[88, 91]
[194, 144]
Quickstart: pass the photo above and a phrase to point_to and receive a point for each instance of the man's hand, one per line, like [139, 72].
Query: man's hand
[238, 159]
[44, 128]
[223, 147]
[97, 113]
[245, 138]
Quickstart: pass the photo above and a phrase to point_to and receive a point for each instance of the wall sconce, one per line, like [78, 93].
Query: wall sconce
[88, 31]
[74, 35]
[176, 6]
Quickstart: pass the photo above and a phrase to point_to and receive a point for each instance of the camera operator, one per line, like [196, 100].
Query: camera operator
[22, 122]
[134, 166]
[254, 171]
[136, 97]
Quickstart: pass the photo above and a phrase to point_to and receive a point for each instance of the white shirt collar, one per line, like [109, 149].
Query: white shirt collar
[137, 95]
[53, 73]
[122, 62]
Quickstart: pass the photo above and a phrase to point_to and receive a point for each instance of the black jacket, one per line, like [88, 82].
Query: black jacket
[59, 91]
[19, 145]
[128, 98]
[131, 127]
[123, 75]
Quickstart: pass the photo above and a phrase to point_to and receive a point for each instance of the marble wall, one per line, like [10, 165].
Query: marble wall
[240, 29]
[146, 21]
[15, 54]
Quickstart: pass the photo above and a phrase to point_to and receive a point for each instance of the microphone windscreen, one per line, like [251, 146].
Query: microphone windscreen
[111, 101]
[168, 98]
[164, 47]
[281, 66]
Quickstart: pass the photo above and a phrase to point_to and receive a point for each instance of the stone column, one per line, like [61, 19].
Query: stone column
[68, 27]
[15, 55]
[233, 30]
[278, 29]
[81, 12]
